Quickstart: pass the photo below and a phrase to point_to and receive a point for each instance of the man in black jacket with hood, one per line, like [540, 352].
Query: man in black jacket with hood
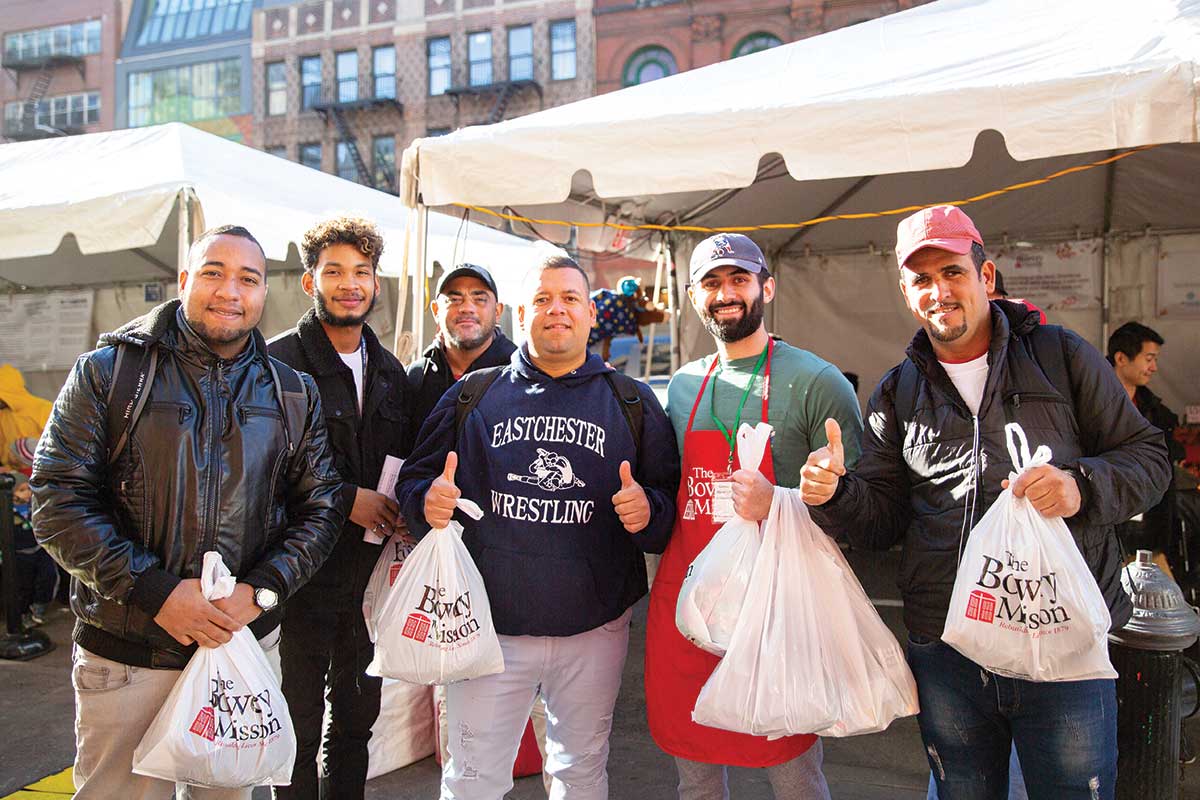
[466, 309]
[934, 459]
[364, 392]
[221, 458]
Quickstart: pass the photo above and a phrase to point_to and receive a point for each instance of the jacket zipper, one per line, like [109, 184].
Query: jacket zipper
[214, 475]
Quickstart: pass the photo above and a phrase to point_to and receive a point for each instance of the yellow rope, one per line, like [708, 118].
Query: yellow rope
[778, 226]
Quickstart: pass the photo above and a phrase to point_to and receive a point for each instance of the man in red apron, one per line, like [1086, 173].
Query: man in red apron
[752, 378]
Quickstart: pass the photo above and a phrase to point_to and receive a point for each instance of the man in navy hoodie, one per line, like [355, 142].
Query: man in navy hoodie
[569, 509]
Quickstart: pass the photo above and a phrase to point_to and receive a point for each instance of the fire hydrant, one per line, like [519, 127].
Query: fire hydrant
[1147, 654]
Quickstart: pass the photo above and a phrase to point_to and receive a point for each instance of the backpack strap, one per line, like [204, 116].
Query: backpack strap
[474, 386]
[625, 389]
[292, 395]
[905, 398]
[132, 379]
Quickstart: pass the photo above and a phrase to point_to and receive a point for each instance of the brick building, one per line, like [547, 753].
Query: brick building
[58, 60]
[345, 85]
[640, 40]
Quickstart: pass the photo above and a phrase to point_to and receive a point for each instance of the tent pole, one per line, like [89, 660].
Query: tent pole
[402, 286]
[184, 233]
[1110, 180]
[673, 304]
[419, 300]
[659, 264]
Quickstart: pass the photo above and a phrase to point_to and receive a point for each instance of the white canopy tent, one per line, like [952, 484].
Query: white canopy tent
[939, 103]
[104, 210]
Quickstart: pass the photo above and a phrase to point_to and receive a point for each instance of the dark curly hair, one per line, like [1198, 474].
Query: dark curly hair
[357, 232]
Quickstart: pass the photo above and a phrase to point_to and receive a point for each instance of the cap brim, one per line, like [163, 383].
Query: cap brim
[957, 246]
[709, 266]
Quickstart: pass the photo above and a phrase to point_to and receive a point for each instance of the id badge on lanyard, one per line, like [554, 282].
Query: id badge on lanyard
[722, 501]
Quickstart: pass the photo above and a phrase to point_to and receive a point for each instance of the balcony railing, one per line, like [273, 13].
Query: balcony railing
[23, 129]
[346, 94]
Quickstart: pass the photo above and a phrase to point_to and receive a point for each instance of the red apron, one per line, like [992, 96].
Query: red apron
[675, 668]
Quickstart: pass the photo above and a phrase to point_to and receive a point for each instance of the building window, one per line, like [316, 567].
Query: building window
[181, 94]
[479, 58]
[345, 167]
[438, 55]
[279, 150]
[756, 42]
[562, 50]
[310, 81]
[383, 67]
[276, 88]
[173, 20]
[74, 39]
[63, 112]
[310, 154]
[383, 158]
[648, 64]
[520, 53]
[347, 76]
[437, 131]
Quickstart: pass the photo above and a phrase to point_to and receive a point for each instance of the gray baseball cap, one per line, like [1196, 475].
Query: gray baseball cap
[726, 249]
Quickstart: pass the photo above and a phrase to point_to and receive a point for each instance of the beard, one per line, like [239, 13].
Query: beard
[324, 314]
[471, 342]
[946, 333]
[734, 330]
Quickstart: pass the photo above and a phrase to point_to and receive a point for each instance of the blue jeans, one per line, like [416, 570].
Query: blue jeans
[1016, 781]
[1065, 733]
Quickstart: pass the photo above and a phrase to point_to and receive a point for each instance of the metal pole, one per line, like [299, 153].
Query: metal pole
[419, 300]
[673, 305]
[659, 265]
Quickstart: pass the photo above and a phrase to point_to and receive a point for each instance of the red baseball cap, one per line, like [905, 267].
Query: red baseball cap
[944, 227]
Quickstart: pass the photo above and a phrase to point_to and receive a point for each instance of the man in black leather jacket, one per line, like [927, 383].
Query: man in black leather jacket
[934, 459]
[211, 463]
[364, 393]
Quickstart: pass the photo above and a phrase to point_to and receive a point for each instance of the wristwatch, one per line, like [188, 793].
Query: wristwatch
[265, 598]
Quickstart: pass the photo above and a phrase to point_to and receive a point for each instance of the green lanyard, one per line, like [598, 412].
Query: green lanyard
[731, 435]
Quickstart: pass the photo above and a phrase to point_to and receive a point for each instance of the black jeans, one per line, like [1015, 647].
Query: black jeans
[324, 645]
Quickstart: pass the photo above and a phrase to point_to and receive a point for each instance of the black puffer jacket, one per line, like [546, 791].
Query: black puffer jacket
[429, 376]
[360, 443]
[917, 459]
[207, 468]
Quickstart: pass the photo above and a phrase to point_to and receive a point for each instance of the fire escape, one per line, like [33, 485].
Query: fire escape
[501, 93]
[338, 104]
[43, 66]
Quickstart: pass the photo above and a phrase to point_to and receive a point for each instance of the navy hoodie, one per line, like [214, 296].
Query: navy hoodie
[540, 456]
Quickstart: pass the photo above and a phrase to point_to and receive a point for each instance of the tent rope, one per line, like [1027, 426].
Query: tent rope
[778, 226]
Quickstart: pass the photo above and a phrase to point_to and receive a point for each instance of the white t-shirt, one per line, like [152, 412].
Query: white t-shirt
[355, 362]
[969, 378]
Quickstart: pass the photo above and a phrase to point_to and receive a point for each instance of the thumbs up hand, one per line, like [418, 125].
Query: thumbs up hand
[442, 495]
[819, 478]
[630, 502]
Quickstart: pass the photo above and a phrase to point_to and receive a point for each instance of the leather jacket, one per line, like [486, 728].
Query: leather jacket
[207, 467]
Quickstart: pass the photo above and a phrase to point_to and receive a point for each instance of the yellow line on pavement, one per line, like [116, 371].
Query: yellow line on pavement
[54, 787]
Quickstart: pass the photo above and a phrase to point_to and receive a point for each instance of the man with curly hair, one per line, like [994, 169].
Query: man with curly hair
[365, 394]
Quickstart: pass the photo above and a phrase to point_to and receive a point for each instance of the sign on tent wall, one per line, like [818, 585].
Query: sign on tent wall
[1056, 277]
[1178, 278]
[45, 331]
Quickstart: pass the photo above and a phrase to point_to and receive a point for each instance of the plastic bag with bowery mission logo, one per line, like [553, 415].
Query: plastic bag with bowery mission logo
[436, 625]
[1025, 604]
[714, 588]
[395, 551]
[225, 723]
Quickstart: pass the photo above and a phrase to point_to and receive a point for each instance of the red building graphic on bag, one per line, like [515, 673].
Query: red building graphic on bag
[204, 725]
[416, 627]
[981, 606]
[394, 572]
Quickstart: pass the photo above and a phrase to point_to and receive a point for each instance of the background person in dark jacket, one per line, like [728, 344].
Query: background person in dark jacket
[1133, 351]
[362, 388]
[466, 309]
[570, 508]
[934, 458]
[210, 465]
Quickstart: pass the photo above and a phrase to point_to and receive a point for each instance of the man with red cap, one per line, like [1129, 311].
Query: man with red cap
[934, 459]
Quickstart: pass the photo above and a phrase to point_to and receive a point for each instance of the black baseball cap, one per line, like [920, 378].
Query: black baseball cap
[731, 249]
[465, 270]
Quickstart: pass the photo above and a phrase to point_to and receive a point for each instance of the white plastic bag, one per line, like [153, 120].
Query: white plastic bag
[809, 653]
[1025, 603]
[225, 723]
[714, 588]
[436, 625]
[396, 549]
